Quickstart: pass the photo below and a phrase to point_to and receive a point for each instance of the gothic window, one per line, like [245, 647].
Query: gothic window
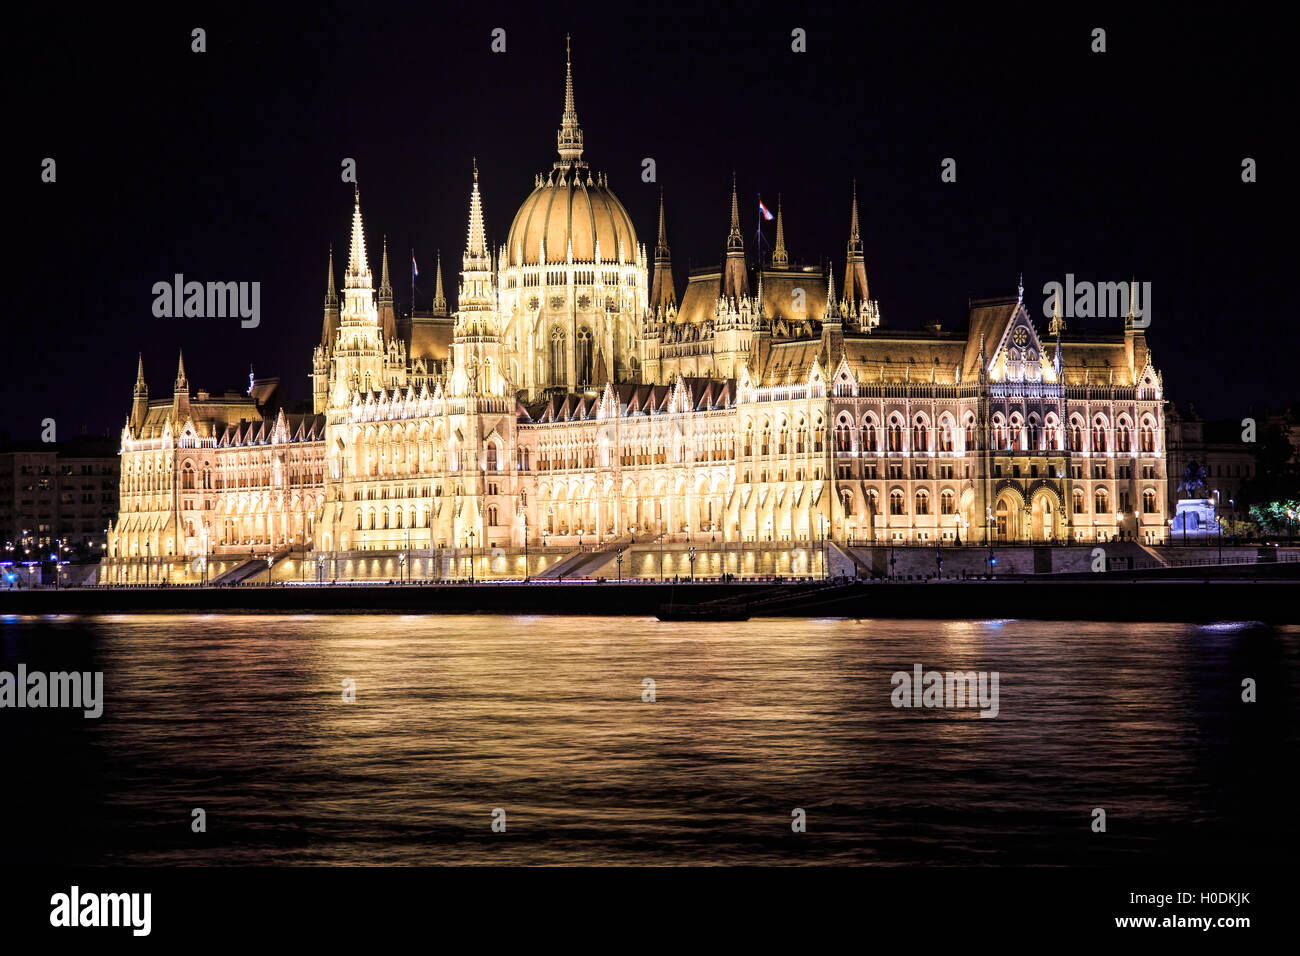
[1099, 435]
[896, 505]
[492, 456]
[1076, 437]
[868, 435]
[945, 436]
[492, 516]
[1147, 438]
[843, 439]
[584, 357]
[1078, 501]
[895, 435]
[970, 434]
[1101, 501]
[946, 501]
[921, 441]
[1014, 436]
[1149, 502]
[557, 354]
[1123, 440]
[922, 503]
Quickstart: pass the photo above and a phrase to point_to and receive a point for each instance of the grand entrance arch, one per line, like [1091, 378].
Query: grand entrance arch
[1009, 516]
[1046, 512]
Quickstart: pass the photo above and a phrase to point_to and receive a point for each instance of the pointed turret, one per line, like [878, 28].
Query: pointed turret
[662, 294]
[780, 258]
[832, 329]
[735, 277]
[387, 312]
[140, 394]
[477, 299]
[439, 299]
[330, 322]
[358, 274]
[568, 139]
[181, 391]
[855, 270]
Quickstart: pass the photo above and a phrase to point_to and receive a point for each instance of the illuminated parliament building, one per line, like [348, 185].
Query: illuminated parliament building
[572, 400]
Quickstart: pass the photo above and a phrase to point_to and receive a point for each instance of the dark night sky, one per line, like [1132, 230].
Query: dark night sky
[225, 166]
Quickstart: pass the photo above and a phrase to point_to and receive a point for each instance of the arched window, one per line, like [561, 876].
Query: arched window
[187, 477]
[1101, 502]
[922, 503]
[492, 456]
[767, 439]
[843, 437]
[1013, 440]
[895, 436]
[1049, 433]
[970, 434]
[1149, 502]
[385, 517]
[1147, 437]
[945, 435]
[1099, 435]
[1123, 438]
[896, 503]
[492, 516]
[999, 433]
[749, 440]
[1076, 437]
[817, 437]
[920, 436]
[1078, 501]
[557, 354]
[869, 435]
[947, 503]
[584, 357]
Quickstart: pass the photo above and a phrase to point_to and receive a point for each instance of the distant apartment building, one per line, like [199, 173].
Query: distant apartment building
[58, 493]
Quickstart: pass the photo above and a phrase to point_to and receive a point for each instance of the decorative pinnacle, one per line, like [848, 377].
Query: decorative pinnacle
[853, 225]
[477, 246]
[385, 289]
[358, 275]
[780, 258]
[735, 242]
[331, 290]
[661, 249]
[181, 381]
[1020, 290]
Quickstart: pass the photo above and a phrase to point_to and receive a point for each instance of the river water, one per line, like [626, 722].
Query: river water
[543, 718]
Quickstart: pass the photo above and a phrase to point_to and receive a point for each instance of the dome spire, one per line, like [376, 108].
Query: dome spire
[568, 139]
[734, 238]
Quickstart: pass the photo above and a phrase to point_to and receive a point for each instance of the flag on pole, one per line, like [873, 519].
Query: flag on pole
[763, 210]
[415, 270]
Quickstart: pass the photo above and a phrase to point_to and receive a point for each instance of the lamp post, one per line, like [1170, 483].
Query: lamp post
[1217, 525]
[691, 558]
[148, 565]
[821, 526]
[470, 535]
[619, 561]
[526, 571]
[661, 556]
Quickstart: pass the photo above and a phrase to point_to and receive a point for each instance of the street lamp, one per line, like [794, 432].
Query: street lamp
[470, 535]
[526, 571]
[1217, 525]
[619, 561]
[691, 558]
[661, 556]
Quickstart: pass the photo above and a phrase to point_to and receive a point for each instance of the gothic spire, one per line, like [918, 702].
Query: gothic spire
[182, 383]
[140, 386]
[568, 139]
[734, 239]
[662, 293]
[331, 288]
[832, 307]
[661, 249]
[385, 288]
[477, 245]
[780, 258]
[439, 300]
[735, 277]
[855, 270]
[358, 274]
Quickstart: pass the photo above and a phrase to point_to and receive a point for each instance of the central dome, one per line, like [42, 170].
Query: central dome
[571, 207]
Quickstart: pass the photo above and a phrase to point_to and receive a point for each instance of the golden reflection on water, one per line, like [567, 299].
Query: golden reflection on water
[543, 716]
